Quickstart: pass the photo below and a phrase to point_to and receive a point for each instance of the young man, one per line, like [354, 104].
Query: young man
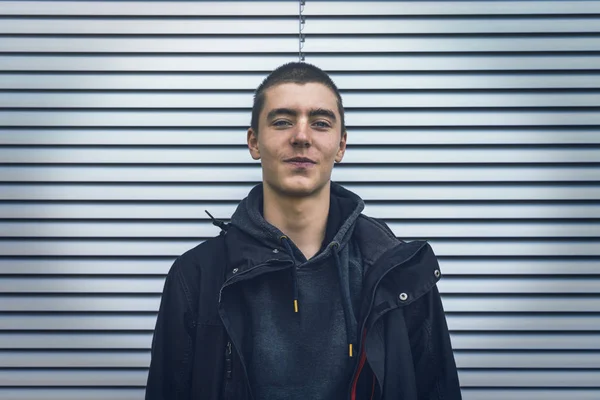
[302, 296]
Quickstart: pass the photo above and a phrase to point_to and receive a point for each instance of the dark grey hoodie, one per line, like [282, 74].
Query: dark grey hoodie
[303, 355]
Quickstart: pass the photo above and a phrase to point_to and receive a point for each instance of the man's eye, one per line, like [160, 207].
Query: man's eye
[322, 124]
[281, 123]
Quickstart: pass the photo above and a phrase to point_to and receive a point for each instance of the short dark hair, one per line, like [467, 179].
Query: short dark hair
[293, 72]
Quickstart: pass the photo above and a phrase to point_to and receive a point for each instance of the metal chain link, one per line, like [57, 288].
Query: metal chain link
[301, 37]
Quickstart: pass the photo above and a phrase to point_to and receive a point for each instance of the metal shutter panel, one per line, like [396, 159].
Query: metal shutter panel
[473, 124]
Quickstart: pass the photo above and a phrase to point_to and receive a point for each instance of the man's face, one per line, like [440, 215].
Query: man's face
[299, 138]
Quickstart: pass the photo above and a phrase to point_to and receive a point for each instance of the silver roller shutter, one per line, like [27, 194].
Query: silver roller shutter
[474, 124]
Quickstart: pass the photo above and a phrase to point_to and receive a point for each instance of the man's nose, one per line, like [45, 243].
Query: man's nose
[301, 136]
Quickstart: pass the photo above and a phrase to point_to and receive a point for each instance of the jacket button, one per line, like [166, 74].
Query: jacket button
[437, 273]
[403, 296]
[235, 270]
[275, 251]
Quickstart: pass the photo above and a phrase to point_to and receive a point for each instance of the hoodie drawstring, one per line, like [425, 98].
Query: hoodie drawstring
[344, 289]
[288, 247]
[345, 293]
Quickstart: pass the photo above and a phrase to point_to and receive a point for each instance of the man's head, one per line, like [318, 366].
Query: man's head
[293, 72]
[297, 129]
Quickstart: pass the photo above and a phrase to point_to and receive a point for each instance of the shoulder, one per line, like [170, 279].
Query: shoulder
[375, 225]
[197, 262]
[205, 250]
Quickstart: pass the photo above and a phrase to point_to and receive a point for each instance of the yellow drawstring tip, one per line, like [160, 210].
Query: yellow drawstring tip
[295, 305]
[350, 345]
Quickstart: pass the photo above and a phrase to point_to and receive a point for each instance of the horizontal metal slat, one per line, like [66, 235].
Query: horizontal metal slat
[62, 303]
[171, 248]
[518, 360]
[88, 322]
[480, 340]
[244, 44]
[447, 44]
[342, 173]
[140, 284]
[49, 393]
[519, 285]
[195, 26]
[155, 266]
[264, 63]
[529, 378]
[522, 322]
[511, 266]
[240, 100]
[236, 192]
[193, 229]
[456, 25]
[354, 118]
[530, 341]
[457, 302]
[87, 359]
[346, 81]
[468, 378]
[75, 340]
[139, 64]
[131, 322]
[143, 284]
[240, 155]
[46, 393]
[141, 359]
[364, 136]
[70, 266]
[396, 210]
[530, 394]
[288, 25]
[334, 44]
[74, 377]
[452, 8]
[527, 303]
[141, 8]
[229, 8]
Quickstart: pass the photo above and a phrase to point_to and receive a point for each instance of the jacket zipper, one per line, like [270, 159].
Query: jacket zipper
[228, 361]
[363, 353]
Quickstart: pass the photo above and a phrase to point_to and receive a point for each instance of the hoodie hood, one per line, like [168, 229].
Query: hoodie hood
[345, 208]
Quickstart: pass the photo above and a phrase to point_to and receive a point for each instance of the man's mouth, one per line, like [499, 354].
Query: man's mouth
[302, 162]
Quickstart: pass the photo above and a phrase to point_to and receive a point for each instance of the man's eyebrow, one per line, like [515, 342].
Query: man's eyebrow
[281, 111]
[323, 112]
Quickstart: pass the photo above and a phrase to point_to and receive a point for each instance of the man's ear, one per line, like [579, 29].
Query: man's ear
[342, 150]
[253, 144]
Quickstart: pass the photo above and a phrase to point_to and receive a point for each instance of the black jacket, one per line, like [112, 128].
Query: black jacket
[404, 349]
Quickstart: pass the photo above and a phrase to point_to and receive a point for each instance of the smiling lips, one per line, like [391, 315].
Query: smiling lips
[300, 162]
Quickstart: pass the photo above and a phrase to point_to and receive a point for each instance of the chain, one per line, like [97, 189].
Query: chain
[301, 37]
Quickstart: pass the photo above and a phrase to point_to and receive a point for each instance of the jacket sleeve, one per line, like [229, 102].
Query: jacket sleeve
[171, 344]
[433, 358]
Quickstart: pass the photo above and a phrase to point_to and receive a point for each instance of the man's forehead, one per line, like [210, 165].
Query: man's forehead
[300, 97]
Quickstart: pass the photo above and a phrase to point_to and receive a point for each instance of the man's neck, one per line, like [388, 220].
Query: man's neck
[302, 219]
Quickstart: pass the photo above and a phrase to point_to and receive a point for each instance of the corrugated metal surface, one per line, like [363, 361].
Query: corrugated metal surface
[474, 124]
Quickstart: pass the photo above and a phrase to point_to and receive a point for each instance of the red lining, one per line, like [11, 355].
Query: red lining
[361, 364]
[373, 389]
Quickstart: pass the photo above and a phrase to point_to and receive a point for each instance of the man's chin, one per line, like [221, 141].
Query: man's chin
[299, 189]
